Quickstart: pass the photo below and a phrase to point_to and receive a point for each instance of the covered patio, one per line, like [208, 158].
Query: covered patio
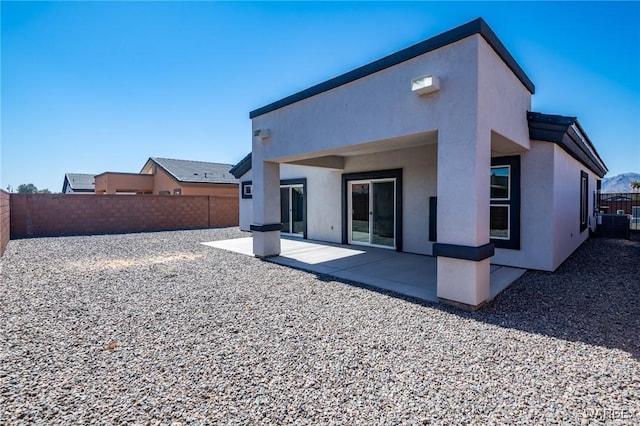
[403, 273]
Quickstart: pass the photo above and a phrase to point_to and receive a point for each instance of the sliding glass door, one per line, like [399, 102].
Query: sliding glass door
[292, 209]
[372, 204]
[360, 200]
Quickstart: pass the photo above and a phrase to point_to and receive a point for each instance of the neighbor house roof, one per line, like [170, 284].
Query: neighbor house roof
[477, 26]
[568, 134]
[78, 182]
[188, 171]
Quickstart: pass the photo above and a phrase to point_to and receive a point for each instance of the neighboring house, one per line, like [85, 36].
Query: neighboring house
[78, 183]
[431, 150]
[165, 176]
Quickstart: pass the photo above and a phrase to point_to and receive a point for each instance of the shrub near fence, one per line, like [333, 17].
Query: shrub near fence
[39, 215]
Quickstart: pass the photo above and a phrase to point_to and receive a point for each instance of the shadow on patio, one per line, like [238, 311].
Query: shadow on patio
[406, 274]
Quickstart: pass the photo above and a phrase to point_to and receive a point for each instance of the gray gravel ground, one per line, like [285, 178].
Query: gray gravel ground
[158, 329]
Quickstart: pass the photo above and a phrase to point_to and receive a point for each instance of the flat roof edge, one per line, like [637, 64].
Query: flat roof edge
[477, 26]
[242, 167]
[559, 129]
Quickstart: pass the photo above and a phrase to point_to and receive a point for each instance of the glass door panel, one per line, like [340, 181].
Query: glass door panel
[383, 217]
[360, 212]
[297, 210]
[285, 203]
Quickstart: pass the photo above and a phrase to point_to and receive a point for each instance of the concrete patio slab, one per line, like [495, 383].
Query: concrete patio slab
[404, 273]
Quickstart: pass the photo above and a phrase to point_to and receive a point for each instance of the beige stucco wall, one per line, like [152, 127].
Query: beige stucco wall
[550, 209]
[480, 111]
[164, 182]
[230, 189]
[324, 217]
[566, 200]
[112, 182]
[503, 102]
[536, 211]
[378, 107]
[324, 192]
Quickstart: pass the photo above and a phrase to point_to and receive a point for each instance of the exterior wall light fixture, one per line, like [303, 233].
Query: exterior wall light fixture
[261, 133]
[425, 84]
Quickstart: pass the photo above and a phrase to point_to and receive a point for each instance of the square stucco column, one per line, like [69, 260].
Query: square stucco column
[266, 224]
[463, 248]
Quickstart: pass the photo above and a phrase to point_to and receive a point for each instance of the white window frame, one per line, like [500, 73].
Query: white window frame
[350, 207]
[289, 188]
[508, 237]
[508, 183]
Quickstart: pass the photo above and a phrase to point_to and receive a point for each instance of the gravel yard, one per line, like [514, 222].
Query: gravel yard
[157, 328]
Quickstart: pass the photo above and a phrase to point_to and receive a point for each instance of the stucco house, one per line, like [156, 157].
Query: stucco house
[75, 183]
[431, 150]
[167, 176]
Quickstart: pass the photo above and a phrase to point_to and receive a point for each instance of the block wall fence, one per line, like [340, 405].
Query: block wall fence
[5, 230]
[43, 215]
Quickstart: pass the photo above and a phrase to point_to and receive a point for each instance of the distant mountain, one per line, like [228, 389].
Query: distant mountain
[619, 183]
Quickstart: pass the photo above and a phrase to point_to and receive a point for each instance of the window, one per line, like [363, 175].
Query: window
[504, 210]
[247, 189]
[500, 193]
[164, 192]
[584, 200]
[499, 219]
[500, 182]
[177, 191]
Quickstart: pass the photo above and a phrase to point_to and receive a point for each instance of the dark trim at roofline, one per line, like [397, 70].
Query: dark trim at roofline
[242, 167]
[558, 129]
[477, 26]
[593, 148]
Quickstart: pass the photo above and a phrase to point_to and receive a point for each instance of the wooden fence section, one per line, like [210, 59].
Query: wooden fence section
[40, 215]
[5, 230]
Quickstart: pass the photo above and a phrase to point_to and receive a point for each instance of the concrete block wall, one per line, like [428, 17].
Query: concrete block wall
[224, 210]
[39, 215]
[5, 231]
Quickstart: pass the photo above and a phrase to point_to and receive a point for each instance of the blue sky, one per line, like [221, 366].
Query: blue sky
[89, 87]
